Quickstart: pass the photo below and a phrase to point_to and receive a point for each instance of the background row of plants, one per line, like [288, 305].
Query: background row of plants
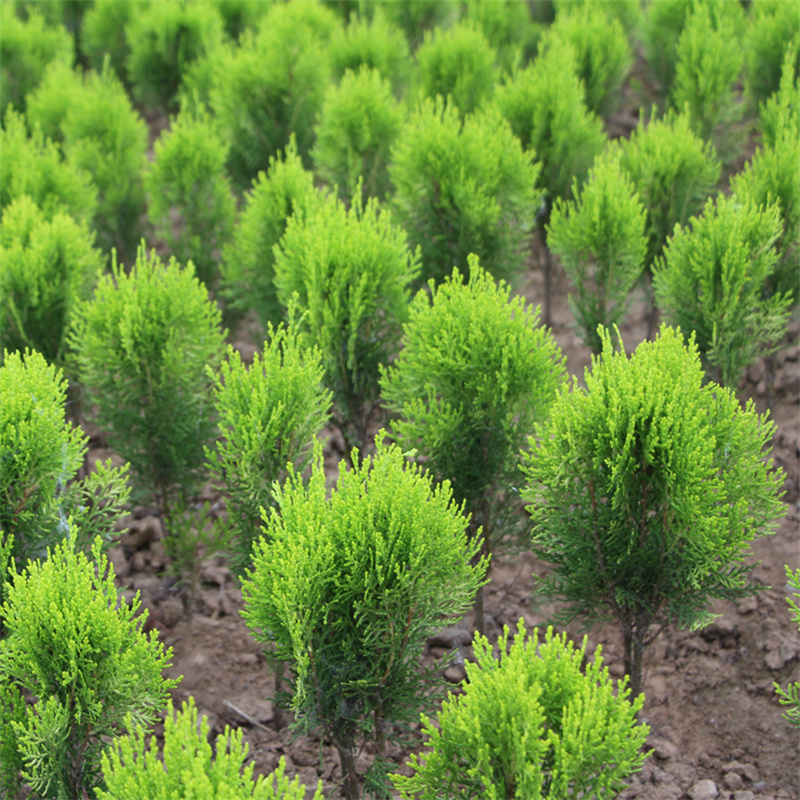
[367, 178]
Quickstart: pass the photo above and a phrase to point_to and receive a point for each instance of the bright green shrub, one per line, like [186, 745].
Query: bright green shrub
[673, 172]
[415, 17]
[629, 13]
[142, 346]
[600, 239]
[782, 109]
[40, 501]
[190, 197]
[791, 695]
[49, 103]
[475, 372]
[509, 29]
[603, 54]
[240, 15]
[712, 278]
[357, 128]
[463, 187]
[457, 64]
[531, 724]
[164, 38]
[545, 107]
[351, 270]
[75, 645]
[269, 417]
[372, 42]
[646, 489]
[188, 771]
[26, 50]
[349, 587]
[46, 267]
[33, 166]
[104, 34]
[273, 86]
[709, 61]
[773, 28]
[248, 262]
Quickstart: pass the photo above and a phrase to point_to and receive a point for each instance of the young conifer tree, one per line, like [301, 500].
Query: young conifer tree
[77, 647]
[646, 489]
[349, 586]
[475, 373]
[532, 724]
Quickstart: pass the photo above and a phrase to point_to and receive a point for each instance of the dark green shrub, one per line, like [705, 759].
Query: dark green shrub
[240, 15]
[712, 281]
[457, 64]
[190, 197]
[463, 187]
[188, 771]
[673, 172]
[350, 269]
[773, 28]
[248, 262]
[272, 86]
[646, 489]
[33, 166]
[415, 17]
[46, 267]
[143, 343]
[356, 130]
[164, 38]
[372, 42]
[600, 239]
[475, 372]
[269, 417]
[76, 646]
[26, 50]
[603, 54]
[709, 61]
[349, 587]
[533, 724]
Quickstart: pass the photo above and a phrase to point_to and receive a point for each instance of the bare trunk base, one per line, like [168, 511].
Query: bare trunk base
[347, 759]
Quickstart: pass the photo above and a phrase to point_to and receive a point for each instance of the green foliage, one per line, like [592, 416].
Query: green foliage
[646, 489]
[709, 62]
[457, 64]
[48, 104]
[248, 262]
[600, 239]
[26, 50]
[164, 38]
[770, 176]
[143, 343]
[46, 267]
[240, 15]
[673, 172]
[357, 127]
[791, 695]
[272, 86]
[189, 771]
[545, 107]
[773, 29]
[603, 54]
[627, 12]
[782, 110]
[463, 187]
[415, 17]
[349, 587]
[103, 34]
[372, 42]
[475, 373]
[33, 166]
[531, 724]
[269, 416]
[41, 502]
[190, 197]
[351, 270]
[75, 645]
[509, 29]
[712, 281]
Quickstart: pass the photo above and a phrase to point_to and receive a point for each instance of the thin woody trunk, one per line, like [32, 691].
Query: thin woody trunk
[349, 775]
[634, 658]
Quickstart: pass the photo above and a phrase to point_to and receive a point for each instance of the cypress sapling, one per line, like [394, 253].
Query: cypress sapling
[782, 110]
[349, 587]
[646, 489]
[475, 372]
[533, 724]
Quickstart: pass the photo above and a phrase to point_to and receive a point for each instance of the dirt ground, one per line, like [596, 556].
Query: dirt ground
[710, 701]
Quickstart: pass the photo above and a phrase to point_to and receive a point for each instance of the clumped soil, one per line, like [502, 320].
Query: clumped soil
[710, 701]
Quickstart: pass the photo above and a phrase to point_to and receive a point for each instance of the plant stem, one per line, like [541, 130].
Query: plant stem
[350, 776]
[634, 657]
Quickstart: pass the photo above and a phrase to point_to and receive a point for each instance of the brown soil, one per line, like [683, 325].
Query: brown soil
[710, 701]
